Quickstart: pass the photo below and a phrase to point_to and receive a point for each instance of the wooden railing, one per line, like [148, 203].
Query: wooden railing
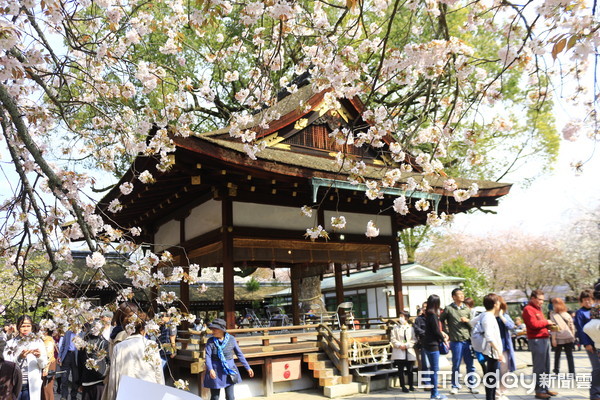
[266, 348]
[260, 348]
[336, 349]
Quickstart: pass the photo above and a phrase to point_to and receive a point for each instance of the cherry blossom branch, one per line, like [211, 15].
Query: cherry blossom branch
[54, 181]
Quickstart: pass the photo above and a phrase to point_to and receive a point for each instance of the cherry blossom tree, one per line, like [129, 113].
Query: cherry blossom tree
[452, 83]
[514, 260]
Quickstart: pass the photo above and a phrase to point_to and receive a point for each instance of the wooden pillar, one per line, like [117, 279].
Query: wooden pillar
[339, 283]
[228, 286]
[184, 287]
[153, 288]
[268, 377]
[344, 351]
[396, 268]
[295, 295]
[339, 292]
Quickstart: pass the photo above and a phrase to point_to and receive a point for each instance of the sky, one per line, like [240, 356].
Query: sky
[545, 206]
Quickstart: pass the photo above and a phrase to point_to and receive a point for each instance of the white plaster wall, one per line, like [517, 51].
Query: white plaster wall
[357, 223]
[382, 302]
[418, 295]
[203, 218]
[372, 303]
[268, 216]
[167, 235]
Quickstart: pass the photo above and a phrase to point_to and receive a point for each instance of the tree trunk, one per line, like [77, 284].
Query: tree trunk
[310, 293]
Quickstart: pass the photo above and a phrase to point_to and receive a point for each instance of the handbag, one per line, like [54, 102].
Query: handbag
[234, 378]
[444, 347]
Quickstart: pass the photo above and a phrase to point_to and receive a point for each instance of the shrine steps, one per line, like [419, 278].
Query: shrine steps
[333, 384]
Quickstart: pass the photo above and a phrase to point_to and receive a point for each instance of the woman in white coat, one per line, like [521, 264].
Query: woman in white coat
[403, 340]
[28, 351]
[136, 357]
[486, 339]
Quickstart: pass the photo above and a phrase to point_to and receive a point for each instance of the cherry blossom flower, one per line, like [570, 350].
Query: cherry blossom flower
[95, 261]
[126, 188]
[115, 206]
[571, 130]
[422, 205]
[461, 195]
[181, 384]
[306, 211]
[231, 76]
[400, 205]
[450, 185]
[316, 233]
[146, 177]
[338, 223]
[372, 230]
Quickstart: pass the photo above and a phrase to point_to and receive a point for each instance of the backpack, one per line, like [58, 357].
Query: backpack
[478, 341]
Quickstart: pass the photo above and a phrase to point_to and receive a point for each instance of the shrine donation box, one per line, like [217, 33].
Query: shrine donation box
[286, 370]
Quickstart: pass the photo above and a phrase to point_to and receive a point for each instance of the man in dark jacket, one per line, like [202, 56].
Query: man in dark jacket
[582, 317]
[10, 380]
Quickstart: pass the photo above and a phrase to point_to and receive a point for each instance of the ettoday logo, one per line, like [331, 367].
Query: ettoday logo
[510, 380]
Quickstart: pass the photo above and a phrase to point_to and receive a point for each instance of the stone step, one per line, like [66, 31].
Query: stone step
[339, 390]
[330, 381]
[314, 365]
[335, 380]
[313, 357]
[324, 373]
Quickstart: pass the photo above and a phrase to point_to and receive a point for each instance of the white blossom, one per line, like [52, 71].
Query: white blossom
[306, 211]
[400, 205]
[372, 230]
[126, 188]
[95, 261]
[422, 205]
[338, 222]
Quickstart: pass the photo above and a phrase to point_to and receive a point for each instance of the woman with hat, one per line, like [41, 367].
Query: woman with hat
[222, 372]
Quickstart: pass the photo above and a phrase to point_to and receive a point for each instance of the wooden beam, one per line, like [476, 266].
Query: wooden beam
[228, 286]
[282, 234]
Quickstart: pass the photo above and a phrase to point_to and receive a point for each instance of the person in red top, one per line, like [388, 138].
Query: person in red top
[538, 337]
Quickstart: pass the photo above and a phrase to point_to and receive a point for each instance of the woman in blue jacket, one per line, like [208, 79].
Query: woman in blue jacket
[506, 325]
[222, 371]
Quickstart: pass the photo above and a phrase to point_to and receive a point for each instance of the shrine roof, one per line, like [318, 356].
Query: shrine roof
[328, 164]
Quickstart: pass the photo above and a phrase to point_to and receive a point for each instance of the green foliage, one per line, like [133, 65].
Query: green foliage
[411, 239]
[475, 285]
[252, 285]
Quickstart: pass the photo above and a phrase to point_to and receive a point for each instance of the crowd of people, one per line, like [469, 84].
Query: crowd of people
[91, 359]
[490, 338]
[34, 365]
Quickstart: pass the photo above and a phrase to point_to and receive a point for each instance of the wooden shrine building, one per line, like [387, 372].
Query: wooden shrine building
[218, 207]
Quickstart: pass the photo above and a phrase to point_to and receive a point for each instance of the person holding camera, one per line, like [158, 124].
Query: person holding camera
[29, 353]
